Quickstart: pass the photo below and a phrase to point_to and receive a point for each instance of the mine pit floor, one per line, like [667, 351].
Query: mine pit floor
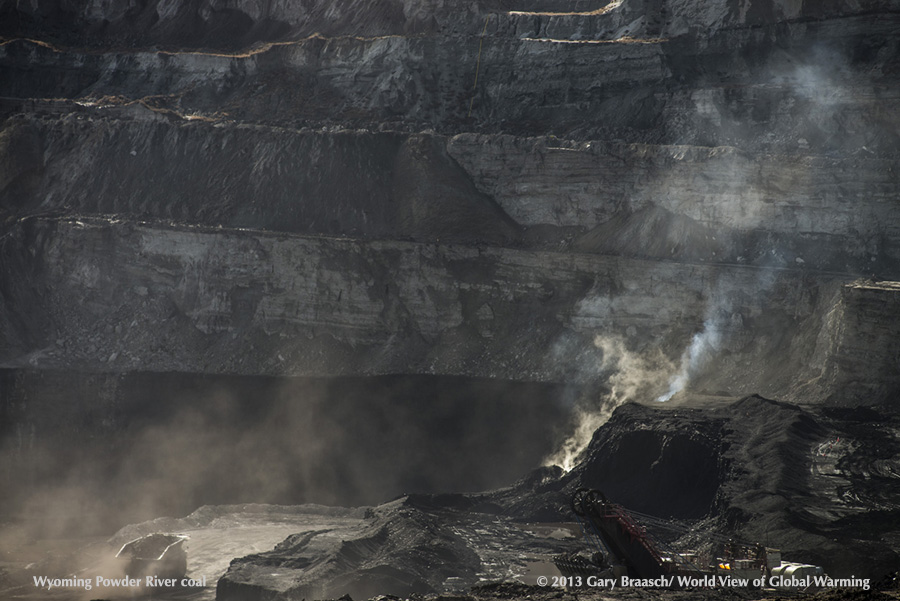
[215, 539]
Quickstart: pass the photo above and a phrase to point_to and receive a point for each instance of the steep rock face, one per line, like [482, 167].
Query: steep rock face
[622, 195]
[437, 200]
[235, 23]
[170, 298]
[780, 465]
[823, 85]
[224, 23]
[832, 213]
[148, 167]
[738, 161]
[813, 481]
[401, 81]
[825, 213]
[672, 468]
[863, 340]
[771, 210]
[686, 15]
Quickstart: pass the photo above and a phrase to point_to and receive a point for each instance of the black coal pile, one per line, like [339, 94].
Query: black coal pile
[415, 544]
[820, 484]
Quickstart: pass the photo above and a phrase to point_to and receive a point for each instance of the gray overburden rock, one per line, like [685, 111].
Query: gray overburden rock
[601, 201]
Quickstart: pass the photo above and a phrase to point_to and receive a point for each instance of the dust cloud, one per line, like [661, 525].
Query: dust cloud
[164, 444]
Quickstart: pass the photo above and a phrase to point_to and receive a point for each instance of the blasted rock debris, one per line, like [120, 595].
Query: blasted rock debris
[503, 225]
[820, 484]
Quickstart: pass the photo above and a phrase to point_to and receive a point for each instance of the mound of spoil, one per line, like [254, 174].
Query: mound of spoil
[820, 484]
[415, 544]
[823, 485]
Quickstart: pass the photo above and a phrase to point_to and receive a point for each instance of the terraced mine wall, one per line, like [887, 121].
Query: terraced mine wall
[865, 342]
[522, 192]
[223, 301]
[721, 204]
[798, 85]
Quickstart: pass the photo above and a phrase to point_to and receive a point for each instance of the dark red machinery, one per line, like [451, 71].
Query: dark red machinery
[626, 541]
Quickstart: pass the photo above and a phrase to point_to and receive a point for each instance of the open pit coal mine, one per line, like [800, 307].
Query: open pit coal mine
[440, 299]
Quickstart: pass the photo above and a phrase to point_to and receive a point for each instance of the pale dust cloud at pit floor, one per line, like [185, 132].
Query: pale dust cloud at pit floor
[88, 453]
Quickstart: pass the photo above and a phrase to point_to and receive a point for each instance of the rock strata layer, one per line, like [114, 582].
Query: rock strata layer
[498, 154]
[597, 201]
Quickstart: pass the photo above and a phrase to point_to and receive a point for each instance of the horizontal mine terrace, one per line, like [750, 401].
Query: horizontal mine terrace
[719, 203]
[365, 74]
[546, 180]
[110, 295]
[676, 90]
[14, 51]
[374, 82]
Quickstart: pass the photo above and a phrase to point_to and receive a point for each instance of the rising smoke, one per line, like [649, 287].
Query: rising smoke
[820, 81]
[704, 345]
[627, 375]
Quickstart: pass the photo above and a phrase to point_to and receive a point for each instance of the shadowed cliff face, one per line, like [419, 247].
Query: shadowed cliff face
[231, 25]
[339, 251]
[788, 83]
[228, 301]
[636, 198]
[438, 201]
[639, 196]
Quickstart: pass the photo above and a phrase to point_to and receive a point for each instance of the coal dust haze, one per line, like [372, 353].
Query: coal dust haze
[496, 299]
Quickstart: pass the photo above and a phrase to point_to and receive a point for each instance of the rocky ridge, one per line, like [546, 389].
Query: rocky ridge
[817, 484]
[756, 136]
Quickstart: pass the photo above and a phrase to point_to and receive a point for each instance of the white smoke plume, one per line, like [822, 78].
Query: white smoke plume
[587, 423]
[737, 202]
[704, 345]
[629, 376]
